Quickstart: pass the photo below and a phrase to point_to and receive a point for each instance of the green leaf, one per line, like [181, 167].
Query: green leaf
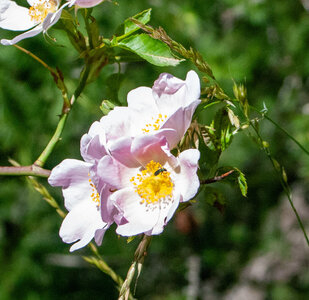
[237, 177]
[106, 106]
[143, 17]
[242, 182]
[153, 51]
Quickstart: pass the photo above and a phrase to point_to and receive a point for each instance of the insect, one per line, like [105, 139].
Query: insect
[156, 173]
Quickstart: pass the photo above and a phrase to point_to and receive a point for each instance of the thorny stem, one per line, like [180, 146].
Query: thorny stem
[32, 170]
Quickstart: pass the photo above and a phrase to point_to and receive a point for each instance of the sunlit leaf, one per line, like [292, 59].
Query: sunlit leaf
[143, 17]
[152, 50]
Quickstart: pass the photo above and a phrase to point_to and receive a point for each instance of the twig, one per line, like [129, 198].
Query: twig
[216, 178]
[283, 182]
[67, 105]
[32, 170]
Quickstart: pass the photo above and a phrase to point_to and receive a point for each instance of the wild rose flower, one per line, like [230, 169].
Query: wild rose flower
[40, 17]
[165, 110]
[148, 187]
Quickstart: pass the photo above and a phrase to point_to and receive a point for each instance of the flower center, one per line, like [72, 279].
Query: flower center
[41, 8]
[95, 196]
[153, 184]
[155, 124]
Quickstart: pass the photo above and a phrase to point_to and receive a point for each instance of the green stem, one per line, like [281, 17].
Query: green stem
[282, 182]
[86, 19]
[284, 131]
[63, 118]
[53, 141]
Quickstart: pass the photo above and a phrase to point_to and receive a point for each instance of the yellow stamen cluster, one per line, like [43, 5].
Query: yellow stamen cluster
[95, 196]
[156, 123]
[153, 188]
[41, 8]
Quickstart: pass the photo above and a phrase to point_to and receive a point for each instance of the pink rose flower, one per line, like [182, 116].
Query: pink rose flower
[148, 188]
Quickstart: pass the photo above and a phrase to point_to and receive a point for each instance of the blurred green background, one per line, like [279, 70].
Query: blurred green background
[255, 249]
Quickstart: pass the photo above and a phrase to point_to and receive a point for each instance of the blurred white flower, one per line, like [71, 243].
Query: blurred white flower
[41, 15]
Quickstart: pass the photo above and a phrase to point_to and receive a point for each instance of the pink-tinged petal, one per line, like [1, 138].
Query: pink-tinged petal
[33, 32]
[117, 123]
[97, 128]
[194, 87]
[85, 3]
[141, 100]
[140, 219]
[92, 149]
[72, 176]
[177, 94]
[187, 182]
[108, 210]
[180, 121]
[93, 143]
[113, 173]
[167, 84]
[170, 134]
[120, 149]
[15, 17]
[98, 236]
[81, 224]
[149, 147]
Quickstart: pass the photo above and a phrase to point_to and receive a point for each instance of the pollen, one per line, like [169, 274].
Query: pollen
[95, 196]
[41, 8]
[152, 188]
[155, 124]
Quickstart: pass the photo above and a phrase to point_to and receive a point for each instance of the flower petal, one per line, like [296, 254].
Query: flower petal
[150, 147]
[180, 121]
[93, 143]
[82, 223]
[170, 93]
[140, 219]
[166, 211]
[87, 3]
[33, 32]
[117, 123]
[72, 176]
[15, 17]
[121, 150]
[187, 181]
[141, 100]
[114, 173]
